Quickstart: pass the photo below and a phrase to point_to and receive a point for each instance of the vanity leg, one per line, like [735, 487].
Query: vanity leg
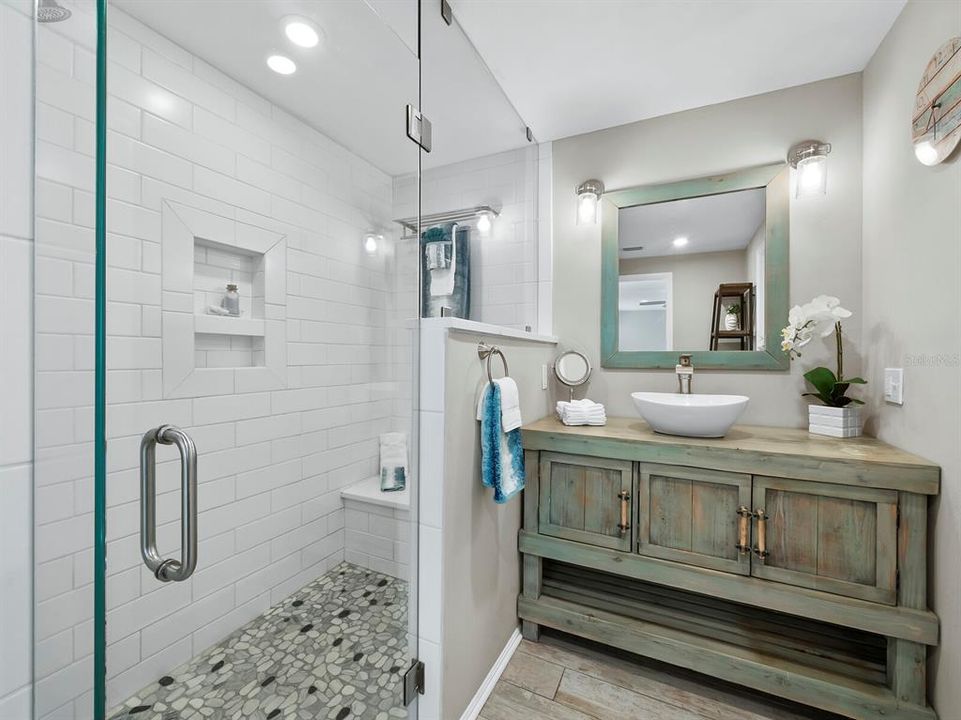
[532, 564]
[907, 665]
[907, 661]
[532, 590]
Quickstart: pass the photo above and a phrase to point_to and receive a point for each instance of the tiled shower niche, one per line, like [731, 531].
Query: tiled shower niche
[210, 354]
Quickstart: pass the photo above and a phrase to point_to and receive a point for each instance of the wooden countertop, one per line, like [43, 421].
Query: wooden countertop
[746, 448]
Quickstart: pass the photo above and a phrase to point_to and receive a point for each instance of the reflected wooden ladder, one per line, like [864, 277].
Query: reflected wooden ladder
[744, 293]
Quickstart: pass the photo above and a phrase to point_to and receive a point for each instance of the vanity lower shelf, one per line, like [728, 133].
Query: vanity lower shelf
[735, 663]
[855, 654]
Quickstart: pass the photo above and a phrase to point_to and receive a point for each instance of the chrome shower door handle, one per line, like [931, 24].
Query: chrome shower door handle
[168, 570]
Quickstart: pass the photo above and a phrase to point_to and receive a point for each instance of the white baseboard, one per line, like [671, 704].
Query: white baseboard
[487, 687]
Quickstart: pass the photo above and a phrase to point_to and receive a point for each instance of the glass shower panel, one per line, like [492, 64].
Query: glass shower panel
[64, 283]
[260, 348]
[478, 256]
[482, 174]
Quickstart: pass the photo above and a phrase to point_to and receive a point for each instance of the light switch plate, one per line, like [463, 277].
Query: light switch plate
[894, 385]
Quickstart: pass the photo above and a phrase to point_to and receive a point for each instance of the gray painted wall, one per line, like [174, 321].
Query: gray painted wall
[912, 296]
[481, 563]
[825, 231]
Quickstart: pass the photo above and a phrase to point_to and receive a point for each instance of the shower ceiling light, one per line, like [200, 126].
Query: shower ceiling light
[588, 196]
[809, 158]
[301, 33]
[680, 241]
[281, 65]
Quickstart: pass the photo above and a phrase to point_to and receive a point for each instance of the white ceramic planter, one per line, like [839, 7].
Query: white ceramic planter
[834, 421]
[730, 322]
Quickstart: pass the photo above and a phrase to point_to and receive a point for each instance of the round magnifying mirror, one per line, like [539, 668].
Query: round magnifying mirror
[572, 369]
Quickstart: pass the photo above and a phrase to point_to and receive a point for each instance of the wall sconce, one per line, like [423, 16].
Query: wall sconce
[371, 242]
[588, 197]
[809, 158]
[485, 221]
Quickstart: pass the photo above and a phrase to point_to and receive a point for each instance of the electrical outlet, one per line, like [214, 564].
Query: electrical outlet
[543, 377]
[894, 385]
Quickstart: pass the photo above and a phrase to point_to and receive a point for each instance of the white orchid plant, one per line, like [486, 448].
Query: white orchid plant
[821, 316]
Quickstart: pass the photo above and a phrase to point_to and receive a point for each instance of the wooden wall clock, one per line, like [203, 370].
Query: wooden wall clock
[936, 125]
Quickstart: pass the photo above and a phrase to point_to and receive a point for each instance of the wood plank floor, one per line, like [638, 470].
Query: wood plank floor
[561, 678]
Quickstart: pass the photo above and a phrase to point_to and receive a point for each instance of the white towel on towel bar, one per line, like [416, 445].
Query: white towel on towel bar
[510, 404]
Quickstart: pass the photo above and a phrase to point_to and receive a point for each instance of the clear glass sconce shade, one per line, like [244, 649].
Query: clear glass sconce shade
[926, 153]
[371, 242]
[485, 221]
[588, 201]
[812, 176]
[586, 208]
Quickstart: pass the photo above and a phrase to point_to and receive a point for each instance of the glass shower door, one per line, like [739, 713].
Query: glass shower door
[258, 348]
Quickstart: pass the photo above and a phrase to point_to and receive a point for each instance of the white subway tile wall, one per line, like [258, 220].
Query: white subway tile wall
[271, 462]
[16, 361]
[377, 538]
[504, 263]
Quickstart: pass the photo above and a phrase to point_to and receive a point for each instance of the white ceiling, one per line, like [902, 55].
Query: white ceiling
[714, 223]
[355, 85]
[574, 66]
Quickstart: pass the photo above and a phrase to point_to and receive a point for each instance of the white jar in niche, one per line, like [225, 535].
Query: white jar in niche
[231, 301]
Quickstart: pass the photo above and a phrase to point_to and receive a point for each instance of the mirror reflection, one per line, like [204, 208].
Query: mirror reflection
[691, 273]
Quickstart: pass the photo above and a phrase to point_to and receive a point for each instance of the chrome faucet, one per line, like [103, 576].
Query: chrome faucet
[685, 374]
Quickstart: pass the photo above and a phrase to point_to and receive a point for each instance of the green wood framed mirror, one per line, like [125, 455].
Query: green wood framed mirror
[698, 267]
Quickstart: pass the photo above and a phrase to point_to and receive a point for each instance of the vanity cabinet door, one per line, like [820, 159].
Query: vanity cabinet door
[834, 538]
[690, 515]
[586, 499]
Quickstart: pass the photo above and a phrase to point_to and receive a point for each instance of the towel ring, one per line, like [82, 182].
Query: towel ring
[486, 352]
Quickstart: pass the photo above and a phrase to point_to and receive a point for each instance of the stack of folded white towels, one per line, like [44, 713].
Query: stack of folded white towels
[581, 412]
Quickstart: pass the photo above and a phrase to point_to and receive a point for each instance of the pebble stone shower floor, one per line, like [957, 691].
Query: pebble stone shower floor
[334, 650]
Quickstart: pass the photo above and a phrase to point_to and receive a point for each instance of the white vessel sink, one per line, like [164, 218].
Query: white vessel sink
[689, 415]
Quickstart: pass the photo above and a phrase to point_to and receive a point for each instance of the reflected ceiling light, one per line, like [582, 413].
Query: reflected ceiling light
[588, 197]
[301, 33]
[371, 240]
[680, 241]
[281, 64]
[809, 158]
[485, 221]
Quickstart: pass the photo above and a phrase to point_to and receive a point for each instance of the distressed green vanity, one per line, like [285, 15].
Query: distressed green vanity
[771, 558]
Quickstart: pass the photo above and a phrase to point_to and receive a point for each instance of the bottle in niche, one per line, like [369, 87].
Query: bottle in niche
[231, 301]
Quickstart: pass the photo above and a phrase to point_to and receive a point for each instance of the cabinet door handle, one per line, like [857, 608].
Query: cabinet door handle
[744, 516]
[761, 549]
[623, 526]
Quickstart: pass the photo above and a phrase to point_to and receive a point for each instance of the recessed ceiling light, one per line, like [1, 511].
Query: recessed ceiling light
[302, 33]
[680, 241]
[281, 64]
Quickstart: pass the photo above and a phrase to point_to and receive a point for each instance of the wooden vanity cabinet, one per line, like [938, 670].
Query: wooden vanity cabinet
[786, 562]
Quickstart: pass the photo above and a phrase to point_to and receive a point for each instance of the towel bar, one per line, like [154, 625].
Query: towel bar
[486, 352]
